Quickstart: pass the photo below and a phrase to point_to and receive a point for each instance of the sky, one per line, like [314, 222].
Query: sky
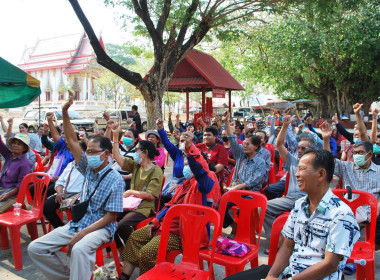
[22, 22]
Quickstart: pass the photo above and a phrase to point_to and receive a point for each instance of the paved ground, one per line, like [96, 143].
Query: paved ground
[31, 272]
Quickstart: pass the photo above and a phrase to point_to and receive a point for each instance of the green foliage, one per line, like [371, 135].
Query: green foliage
[327, 51]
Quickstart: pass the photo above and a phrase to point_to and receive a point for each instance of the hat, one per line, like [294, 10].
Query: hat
[154, 132]
[22, 137]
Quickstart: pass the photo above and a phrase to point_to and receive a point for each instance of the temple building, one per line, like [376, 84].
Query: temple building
[61, 63]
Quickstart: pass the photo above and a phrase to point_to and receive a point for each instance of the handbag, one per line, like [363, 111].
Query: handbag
[69, 198]
[131, 203]
[231, 248]
[79, 210]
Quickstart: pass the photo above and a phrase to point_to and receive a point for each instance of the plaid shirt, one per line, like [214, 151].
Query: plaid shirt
[357, 178]
[107, 198]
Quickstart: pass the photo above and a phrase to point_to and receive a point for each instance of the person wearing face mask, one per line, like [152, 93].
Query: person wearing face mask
[103, 187]
[200, 187]
[146, 184]
[177, 155]
[154, 137]
[362, 173]
[127, 147]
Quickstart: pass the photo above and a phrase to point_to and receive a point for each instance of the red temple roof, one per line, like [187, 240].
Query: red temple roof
[72, 52]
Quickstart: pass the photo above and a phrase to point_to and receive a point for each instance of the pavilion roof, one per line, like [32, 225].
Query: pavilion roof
[71, 52]
[200, 70]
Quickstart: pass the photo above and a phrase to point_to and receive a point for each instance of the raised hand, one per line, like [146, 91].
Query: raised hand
[106, 116]
[300, 127]
[335, 118]
[375, 113]
[170, 115]
[177, 116]
[110, 123]
[10, 121]
[286, 119]
[116, 130]
[188, 138]
[326, 130]
[357, 107]
[69, 102]
[49, 116]
[226, 117]
[160, 124]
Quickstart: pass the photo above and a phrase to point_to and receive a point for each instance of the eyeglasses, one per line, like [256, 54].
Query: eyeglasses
[93, 152]
[360, 152]
[303, 148]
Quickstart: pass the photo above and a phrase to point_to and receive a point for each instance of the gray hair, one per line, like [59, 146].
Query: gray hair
[306, 136]
[367, 146]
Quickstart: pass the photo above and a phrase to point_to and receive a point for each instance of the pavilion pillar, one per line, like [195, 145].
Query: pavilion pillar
[187, 104]
[203, 100]
[229, 102]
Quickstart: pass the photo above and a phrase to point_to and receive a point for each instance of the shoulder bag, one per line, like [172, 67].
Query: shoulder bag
[80, 209]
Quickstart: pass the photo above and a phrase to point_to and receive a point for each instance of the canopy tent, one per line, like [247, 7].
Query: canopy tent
[17, 88]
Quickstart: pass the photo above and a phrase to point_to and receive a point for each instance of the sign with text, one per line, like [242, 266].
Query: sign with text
[218, 93]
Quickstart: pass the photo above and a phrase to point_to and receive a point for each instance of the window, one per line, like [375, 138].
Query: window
[48, 96]
[77, 95]
[61, 96]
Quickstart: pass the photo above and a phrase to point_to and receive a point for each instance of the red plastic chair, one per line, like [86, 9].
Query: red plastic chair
[230, 177]
[29, 218]
[246, 229]
[275, 236]
[189, 268]
[363, 250]
[280, 172]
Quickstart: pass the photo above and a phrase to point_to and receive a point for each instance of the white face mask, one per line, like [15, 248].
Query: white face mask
[182, 146]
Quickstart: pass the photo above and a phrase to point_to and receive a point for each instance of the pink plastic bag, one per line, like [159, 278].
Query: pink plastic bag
[230, 247]
[131, 202]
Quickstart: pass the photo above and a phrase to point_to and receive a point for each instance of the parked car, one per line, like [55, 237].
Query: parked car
[31, 118]
[125, 117]
[244, 112]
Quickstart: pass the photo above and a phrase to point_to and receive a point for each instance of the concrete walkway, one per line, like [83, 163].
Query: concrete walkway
[31, 272]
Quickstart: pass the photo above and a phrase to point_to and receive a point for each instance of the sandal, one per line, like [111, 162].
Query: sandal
[266, 252]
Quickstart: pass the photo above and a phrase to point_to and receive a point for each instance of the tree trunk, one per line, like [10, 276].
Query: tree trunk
[153, 106]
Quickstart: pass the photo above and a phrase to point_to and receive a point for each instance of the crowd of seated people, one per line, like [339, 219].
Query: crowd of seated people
[209, 159]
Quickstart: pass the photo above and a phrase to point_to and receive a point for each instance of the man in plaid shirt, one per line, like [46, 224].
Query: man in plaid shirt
[98, 224]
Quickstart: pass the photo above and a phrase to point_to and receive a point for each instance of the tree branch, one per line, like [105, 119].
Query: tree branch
[102, 57]
[143, 12]
[189, 14]
[164, 17]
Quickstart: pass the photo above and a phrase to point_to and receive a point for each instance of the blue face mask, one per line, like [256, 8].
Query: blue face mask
[136, 157]
[376, 149]
[356, 140]
[187, 173]
[360, 160]
[127, 141]
[94, 161]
